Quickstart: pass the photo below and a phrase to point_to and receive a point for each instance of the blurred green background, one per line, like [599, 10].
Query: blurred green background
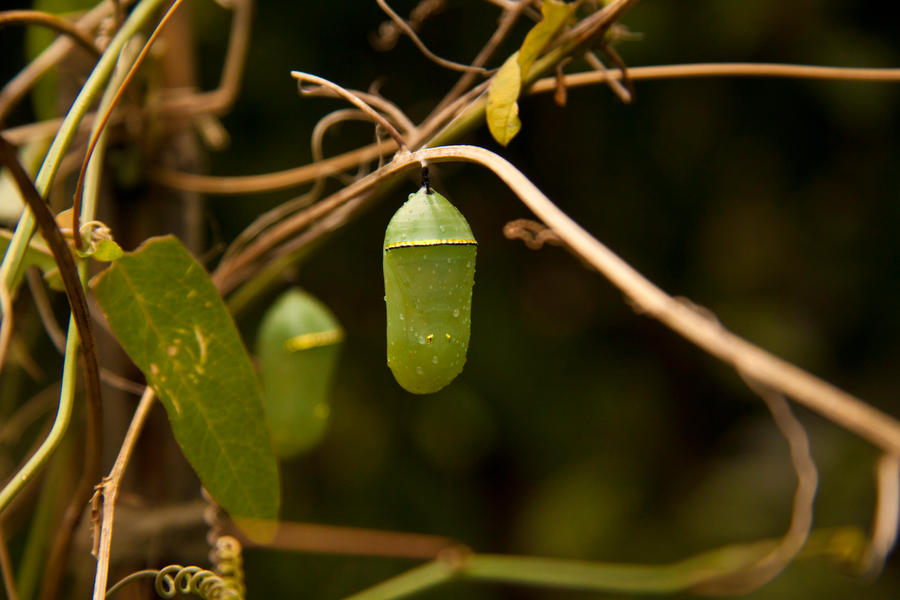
[578, 428]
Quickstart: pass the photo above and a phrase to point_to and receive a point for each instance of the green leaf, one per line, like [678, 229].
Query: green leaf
[554, 14]
[502, 109]
[105, 251]
[171, 321]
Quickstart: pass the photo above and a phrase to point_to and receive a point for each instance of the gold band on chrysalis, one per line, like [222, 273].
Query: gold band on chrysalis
[414, 244]
[313, 340]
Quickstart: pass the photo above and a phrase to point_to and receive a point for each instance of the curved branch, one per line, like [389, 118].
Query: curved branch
[836, 405]
[878, 428]
[51, 21]
[403, 25]
[249, 184]
[722, 70]
[353, 99]
[16, 87]
[110, 490]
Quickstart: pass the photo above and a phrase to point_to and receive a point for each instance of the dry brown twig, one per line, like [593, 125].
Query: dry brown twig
[6, 325]
[9, 582]
[389, 32]
[249, 184]
[508, 18]
[353, 98]
[16, 88]
[405, 27]
[37, 17]
[887, 514]
[775, 561]
[533, 234]
[878, 428]
[109, 489]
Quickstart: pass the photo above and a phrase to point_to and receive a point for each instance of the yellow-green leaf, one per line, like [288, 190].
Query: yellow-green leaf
[171, 321]
[502, 106]
[502, 109]
[554, 15]
[108, 251]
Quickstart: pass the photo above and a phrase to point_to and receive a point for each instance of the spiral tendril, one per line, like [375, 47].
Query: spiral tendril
[225, 583]
[175, 579]
[229, 562]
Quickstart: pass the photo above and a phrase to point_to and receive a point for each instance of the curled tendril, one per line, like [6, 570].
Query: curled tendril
[175, 579]
[229, 562]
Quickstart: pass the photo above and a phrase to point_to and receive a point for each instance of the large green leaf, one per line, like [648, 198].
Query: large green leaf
[171, 321]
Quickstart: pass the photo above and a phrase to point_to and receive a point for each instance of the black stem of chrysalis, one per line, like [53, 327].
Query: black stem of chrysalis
[426, 182]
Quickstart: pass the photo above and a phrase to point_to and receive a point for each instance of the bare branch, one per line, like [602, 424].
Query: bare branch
[248, 184]
[331, 539]
[448, 64]
[776, 560]
[353, 99]
[724, 70]
[95, 135]
[507, 20]
[44, 19]
[624, 94]
[19, 85]
[110, 490]
[6, 326]
[878, 428]
[884, 527]
[9, 582]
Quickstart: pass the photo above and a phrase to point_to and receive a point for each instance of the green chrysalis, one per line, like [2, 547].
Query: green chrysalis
[429, 271]
[297, 345]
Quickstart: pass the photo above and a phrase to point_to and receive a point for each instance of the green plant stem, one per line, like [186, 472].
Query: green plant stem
[662, 579]
[423, 577]
[43, 522]
[63, 415]
[93, 432]
[12, 260]
[685, 575]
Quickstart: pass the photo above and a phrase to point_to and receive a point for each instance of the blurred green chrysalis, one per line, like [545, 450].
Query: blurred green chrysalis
[297, 346]
[429, 271]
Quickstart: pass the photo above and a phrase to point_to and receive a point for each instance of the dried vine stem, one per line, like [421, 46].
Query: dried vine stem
[878, 428]
[219, 100]
[6, 325]
[110, 490]
[887, 507]
[507, 19]
[95, 134]
[404, 26]
[36, 17]
[9, 582]
[722, 70]
[776, 560]
[353, 99]
[250, 184]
